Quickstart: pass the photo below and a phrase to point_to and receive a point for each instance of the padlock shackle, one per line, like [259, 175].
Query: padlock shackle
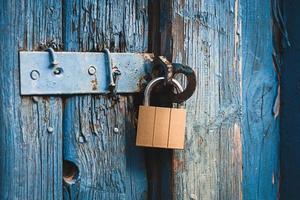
[153, 82]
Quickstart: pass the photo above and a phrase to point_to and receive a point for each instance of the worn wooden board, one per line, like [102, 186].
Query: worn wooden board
[30, 151]
[232, 136]
[260, 126]
[206, 36]
[110, 165]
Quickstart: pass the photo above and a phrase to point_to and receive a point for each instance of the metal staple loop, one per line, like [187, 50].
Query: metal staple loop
[191, 82]
[114, 72]
[53, 62]
[168, 68]
[109, 62]
[53, 59]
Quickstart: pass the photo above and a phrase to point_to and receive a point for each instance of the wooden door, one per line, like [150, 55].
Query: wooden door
[82, 147]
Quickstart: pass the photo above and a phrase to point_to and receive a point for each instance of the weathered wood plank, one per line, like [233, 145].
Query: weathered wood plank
[31, 128]
[235, 73]
[110, 166]
[260, 126]
[206, 36]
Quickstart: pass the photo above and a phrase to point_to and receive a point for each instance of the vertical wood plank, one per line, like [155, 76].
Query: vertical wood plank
[206, 36]
[260, 126]
[31, 128]
[229, 44]
[99, 134]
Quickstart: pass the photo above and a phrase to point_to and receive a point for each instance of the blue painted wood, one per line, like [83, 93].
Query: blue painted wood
[232, 135]
[260, 126]
[99, 134]
[206, 36]
[31, 128]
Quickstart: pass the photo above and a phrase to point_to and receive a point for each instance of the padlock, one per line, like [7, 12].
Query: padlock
[159, 126]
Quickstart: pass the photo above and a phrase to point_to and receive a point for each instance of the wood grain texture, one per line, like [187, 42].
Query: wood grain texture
[30, 155]
[260, 126]
[232, 136]
[110, 165]
[206, 36]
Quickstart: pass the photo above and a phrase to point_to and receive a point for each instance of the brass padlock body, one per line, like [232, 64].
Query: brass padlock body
[159, 126]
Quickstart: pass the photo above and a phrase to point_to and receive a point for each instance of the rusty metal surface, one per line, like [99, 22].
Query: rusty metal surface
[81, 72]
[191, 82]
[163, 67]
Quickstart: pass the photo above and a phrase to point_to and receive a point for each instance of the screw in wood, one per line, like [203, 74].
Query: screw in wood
[50, 129]
[116, 130]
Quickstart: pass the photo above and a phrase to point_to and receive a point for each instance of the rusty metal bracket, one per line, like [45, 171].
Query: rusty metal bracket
[191, 82]
[169, 70]
[81, 72]
[167, 67]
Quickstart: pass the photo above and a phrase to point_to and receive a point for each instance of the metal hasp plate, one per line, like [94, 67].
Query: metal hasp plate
[81, 72]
